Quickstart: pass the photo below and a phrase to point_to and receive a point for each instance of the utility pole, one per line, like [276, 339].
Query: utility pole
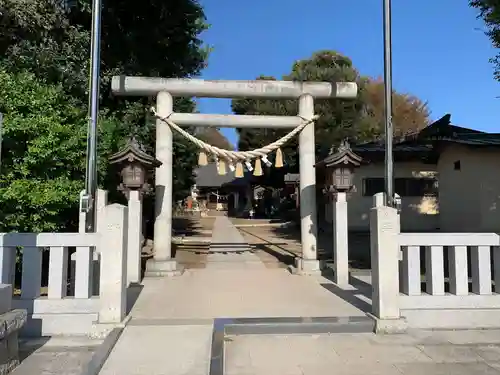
[1, 132]
[88, 203]
[389, 131]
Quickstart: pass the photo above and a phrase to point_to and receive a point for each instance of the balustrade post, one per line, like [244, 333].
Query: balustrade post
[7, 264]
[113, 250]
[385, 254]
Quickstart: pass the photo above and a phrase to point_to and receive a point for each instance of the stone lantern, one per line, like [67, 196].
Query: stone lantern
[339, 167]
[135, 165]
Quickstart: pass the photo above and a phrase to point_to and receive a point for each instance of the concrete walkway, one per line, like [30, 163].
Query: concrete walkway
[228, 248]
[237, 318]
[55, 356]
[170, 331]
[171, 328]
[415, 353]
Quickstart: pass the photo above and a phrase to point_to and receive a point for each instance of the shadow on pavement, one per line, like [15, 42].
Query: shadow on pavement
[357, 288]
[133, 293]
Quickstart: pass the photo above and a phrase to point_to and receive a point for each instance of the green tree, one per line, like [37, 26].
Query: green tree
[51, 40]
[358, 119]
[339, 118]
[42, 167]
[489, 11]
[214, 137]
[409, 113]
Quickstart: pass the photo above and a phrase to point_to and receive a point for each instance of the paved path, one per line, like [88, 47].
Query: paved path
[55, 356]
[228, 248]
[172, 326]
[416, 353]
[161, 350]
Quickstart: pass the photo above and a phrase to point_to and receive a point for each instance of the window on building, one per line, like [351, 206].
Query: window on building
[405, 187]
[372, 186]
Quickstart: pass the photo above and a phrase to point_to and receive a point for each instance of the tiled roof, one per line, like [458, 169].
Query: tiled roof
[424, 140]
[207, 176]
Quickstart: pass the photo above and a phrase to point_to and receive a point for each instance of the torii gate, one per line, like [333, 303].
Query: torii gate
[165, 89]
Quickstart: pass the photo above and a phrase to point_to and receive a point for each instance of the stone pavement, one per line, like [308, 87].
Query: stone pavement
[228, 248]
[157, 349]
[55, 356]
[170, 331]
[173, 327]
[418, 352]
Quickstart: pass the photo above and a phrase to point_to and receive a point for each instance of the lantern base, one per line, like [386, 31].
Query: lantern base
[312, 267]
[162, 268]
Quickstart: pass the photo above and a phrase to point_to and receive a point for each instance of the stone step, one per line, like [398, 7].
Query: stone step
[300, 325]
[226, 330]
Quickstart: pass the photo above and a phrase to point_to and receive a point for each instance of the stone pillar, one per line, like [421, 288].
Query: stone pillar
[384, 246]
[340, 240]
[162, 263]
[308, 220]
[113, 283]
[134, 237]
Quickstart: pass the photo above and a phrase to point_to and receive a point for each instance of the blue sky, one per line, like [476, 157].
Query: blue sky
[440, 52]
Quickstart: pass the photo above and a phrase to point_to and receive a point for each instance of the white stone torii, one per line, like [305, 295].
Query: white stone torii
[165, 89]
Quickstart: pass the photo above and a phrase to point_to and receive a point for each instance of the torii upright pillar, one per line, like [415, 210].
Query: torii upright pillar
[305, 92]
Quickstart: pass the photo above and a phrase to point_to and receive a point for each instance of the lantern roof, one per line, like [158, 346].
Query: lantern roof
[342, 157]
[133, 152]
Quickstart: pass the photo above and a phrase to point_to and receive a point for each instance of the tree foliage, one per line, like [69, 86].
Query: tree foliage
[214, 137]
[489, 11]
[42, 168]
[409, 113]
[48, 42]
[358, 119]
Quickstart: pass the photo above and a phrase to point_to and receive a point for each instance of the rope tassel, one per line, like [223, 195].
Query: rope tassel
[257, 170]
[249, 166]
[240, 173]
[278, 163]
[229, 155]
[202, 158]
[221, 167]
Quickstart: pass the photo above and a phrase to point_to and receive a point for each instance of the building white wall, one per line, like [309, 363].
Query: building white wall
[468, 200]
[469, 197]
[418, 213]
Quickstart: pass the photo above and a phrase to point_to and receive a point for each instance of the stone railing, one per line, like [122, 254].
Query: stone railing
[51, 309]
[11, 321]
[456, 278]
[432, 280]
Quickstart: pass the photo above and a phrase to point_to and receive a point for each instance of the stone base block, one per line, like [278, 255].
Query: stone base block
[389, 326]
[161, 268]
[9, 354]
[307, 267]
[5, 298]
[102, 330]
[10, 324]
[8, 366]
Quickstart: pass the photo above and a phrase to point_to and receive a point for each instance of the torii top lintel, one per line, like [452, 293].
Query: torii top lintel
[150, 86]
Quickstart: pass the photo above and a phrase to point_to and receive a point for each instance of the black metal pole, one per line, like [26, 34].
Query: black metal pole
[91, 172]
[389, 131]
[1, 132]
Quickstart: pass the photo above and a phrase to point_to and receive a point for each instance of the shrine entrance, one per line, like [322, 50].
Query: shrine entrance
[168, 121]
